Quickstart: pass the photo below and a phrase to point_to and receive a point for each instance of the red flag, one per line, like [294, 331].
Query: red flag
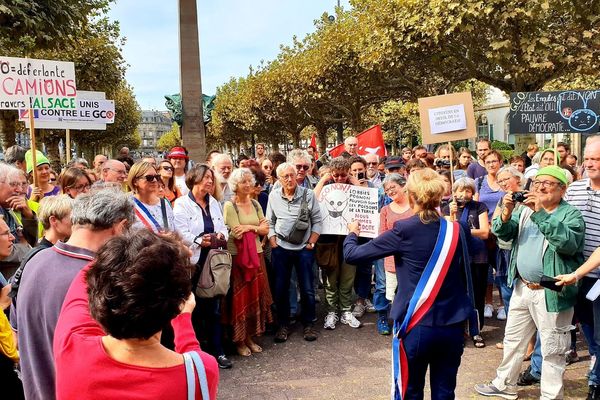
[369, 142]
[313, 143]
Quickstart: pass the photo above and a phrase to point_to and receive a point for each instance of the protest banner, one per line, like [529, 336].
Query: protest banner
[37, 84]
[567, 111]
[369, 142]
[447, 118]
[341, 204]
[93, 112]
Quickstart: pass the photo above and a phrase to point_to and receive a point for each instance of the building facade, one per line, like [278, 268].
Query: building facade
[153, 125]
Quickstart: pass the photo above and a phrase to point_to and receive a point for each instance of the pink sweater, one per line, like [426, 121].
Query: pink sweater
[85, 371]
[387, 219]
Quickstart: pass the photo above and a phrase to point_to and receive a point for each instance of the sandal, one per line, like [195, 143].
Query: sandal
[253, 346]
[478, 342]
[243, 350]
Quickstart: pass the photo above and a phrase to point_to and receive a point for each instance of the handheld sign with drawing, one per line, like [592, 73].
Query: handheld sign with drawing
[567, 111]
[342, 204]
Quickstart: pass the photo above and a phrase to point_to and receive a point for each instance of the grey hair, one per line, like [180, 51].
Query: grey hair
[513, 171]
[237, 175]
[14, 153]
[15, 172]
[464, 183]
[394, 177]
[299, 154]
[102, 209]
[78, 161]
[221, 157]
[7, 170]
[283, 166]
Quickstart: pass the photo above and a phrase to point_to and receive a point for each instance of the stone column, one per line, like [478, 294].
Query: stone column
[192, 132]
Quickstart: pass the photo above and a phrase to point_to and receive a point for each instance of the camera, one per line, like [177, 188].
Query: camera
[518, 197]
[360, 176]
[442, 163]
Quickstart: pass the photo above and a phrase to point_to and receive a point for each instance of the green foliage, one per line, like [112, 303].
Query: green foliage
[498, 145]
[169, 139]
[33, 24]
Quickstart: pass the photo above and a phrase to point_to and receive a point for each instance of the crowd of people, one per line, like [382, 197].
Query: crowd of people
[106, 264]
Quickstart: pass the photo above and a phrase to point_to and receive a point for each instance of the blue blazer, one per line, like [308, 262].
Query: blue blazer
[411, 243]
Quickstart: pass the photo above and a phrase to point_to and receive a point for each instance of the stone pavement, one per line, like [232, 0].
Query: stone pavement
[355, 364]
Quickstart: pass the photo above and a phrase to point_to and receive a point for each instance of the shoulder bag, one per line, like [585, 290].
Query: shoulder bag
[192, 359]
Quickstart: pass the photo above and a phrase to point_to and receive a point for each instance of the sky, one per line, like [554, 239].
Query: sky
[234, 34]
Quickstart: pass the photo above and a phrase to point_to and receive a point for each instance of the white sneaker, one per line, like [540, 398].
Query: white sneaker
[359, 310]
[330, 320]
[488, 311]
[501, 314]
[369, 305]
[349, 319]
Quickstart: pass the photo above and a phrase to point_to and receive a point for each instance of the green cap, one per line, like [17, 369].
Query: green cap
[40, 159]
[554, 171]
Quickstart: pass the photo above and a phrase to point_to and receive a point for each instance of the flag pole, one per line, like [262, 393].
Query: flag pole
[68, 140]
[33, 146]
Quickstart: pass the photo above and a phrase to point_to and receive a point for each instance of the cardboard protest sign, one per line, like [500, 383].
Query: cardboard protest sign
[446, 118]
[93, 112]
[342, 204]
[567, 111]
[37, 84]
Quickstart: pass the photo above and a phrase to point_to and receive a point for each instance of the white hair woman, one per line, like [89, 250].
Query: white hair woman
[251, 297]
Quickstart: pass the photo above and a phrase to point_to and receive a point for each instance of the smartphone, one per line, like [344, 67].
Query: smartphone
[360, 176]
[549, 282]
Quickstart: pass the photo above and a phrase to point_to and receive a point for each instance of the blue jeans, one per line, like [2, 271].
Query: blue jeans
[293, 294]
[590, 326]
[502, 264]
[536, 358]
[379, 301]
[439, 348]
[505, 291]
[284, 261]
[362, 280]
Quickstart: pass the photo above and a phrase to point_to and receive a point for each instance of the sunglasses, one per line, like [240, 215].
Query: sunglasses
[150, 178]
[52, 179]
[304, 167]
[372, 164]
[167, 168]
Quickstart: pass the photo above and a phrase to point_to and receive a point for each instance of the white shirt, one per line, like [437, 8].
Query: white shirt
[180, 183]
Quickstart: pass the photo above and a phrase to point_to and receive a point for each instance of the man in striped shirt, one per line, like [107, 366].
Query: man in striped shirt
[585, 196]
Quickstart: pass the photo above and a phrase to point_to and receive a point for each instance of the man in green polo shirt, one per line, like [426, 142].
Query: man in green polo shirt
[548, 236]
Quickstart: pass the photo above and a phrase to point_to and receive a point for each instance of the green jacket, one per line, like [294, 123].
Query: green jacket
[564, 233]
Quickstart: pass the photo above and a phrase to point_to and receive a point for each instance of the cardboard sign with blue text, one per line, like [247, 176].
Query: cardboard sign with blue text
[342, 204]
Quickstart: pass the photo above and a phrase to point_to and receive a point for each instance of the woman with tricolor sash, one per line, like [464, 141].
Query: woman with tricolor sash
[433, 300]
[151, 211]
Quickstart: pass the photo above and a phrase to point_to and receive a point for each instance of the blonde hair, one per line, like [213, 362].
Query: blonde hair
[426, 188]
[58, 206]
[136, 171]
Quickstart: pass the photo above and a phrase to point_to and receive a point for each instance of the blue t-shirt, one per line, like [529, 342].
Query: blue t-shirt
[530, 252]
[487, 195]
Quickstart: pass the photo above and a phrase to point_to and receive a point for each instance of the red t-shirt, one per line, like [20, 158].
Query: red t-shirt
[85, 371]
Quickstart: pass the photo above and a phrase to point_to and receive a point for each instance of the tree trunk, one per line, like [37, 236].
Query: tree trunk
[321, 137]
[8, 125]
[296, 139]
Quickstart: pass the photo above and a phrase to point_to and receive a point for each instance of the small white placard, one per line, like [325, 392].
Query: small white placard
[594, 291]
[447, 119]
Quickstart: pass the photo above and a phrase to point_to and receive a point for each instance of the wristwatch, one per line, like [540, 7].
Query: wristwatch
[310, 244]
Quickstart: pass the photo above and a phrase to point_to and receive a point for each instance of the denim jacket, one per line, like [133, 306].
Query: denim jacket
[564, 232]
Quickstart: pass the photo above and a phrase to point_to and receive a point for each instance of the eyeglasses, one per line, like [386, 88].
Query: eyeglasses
[546, 184]
[288, 176]
[119, 171]
[167, 168]
[501, 181]
[52, 180]
[372, 164]
[14, 185]
[300, 167]
[492, 162]
[150, 178]
[7, 234]
[339, 176]
[80, 188]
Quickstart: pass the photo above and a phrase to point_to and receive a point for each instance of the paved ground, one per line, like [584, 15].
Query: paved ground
[355, 364]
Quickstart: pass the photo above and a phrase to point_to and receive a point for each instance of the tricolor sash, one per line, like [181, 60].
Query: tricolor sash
[421, 301]
[142, 213]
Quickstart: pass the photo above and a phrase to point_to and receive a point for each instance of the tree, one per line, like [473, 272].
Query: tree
[42, 24]
[169, 139]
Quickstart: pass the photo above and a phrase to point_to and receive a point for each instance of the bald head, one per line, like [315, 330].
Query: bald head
[350, 145]
[114, 171]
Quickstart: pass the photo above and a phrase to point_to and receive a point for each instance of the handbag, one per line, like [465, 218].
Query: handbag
[216, 271]
[301, 225]
[327, 255]
[192, 359]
